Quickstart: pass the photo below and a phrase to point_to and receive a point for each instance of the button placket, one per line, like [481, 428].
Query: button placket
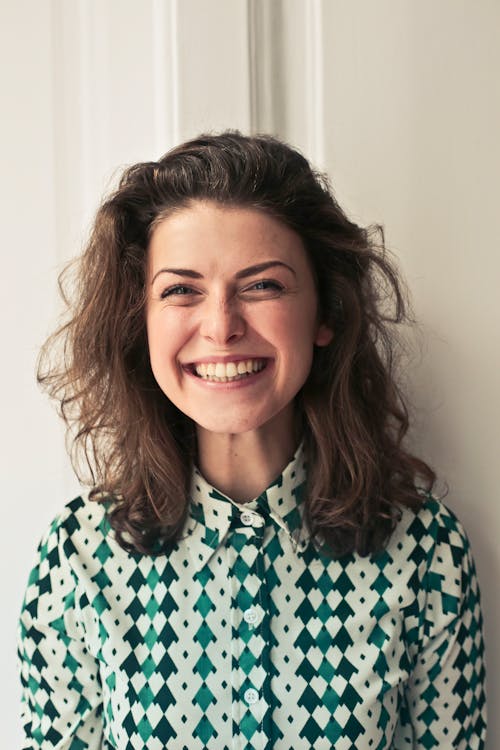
[248, 674]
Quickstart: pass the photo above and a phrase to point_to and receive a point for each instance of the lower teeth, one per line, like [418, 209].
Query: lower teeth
[215, 379]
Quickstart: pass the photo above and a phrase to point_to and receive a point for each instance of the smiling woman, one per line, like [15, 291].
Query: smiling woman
[251, 304]
[259, 561]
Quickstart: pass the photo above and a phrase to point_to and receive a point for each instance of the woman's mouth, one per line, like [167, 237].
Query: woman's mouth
[227, 372]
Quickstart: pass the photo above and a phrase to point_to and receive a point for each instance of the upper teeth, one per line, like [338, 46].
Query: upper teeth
[228, 369]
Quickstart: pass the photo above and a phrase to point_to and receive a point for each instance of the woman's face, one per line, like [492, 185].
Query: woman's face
[231, 316]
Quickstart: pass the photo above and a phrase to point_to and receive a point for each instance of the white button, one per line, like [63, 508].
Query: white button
[250, 615]
[252, 519]
[251, 696]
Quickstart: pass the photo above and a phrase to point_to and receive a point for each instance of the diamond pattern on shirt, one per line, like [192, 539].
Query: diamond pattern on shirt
[245, 636]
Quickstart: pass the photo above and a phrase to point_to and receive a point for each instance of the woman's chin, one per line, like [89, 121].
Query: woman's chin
[275, 424]
[229, 426]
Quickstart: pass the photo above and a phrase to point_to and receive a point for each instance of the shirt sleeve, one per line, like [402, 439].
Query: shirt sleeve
[61, 691]
[444, 703]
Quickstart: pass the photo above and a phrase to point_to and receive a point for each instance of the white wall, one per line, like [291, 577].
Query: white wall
[413, 117]
[399, 101]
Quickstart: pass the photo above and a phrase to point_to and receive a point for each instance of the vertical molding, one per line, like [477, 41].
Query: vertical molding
[174, 70]
[315, 82]
[165, 30]
[264, 68]
[74, 150]
[60, 129]
[253, 64]
[85, 98]
[95, 98]
[286, 67]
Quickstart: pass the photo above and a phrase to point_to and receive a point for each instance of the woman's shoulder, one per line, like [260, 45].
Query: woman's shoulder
[433, 522]
[83, 512]
[81, 525]
[70, 551]
[435, 541]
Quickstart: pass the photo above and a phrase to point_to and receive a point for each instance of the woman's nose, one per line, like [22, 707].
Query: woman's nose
[222, 322]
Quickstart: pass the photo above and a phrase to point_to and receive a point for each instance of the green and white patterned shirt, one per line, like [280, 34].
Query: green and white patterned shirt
[246, 637]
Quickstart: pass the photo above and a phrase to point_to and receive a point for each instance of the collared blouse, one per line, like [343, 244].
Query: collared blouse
[246, 637]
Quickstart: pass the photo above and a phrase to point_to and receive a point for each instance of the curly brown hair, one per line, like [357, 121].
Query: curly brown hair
[140, 448]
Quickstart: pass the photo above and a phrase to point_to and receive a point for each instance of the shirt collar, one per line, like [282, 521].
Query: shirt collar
[212, 514]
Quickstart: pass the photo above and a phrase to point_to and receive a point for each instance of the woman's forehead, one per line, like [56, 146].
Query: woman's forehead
[209, 234]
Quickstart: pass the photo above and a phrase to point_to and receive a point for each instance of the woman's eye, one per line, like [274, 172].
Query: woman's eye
[266, 285]
[177, 290]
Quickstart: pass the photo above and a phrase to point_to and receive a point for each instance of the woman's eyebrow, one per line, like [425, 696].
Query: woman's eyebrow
[251, 270]
[244, 273]
[178, 272]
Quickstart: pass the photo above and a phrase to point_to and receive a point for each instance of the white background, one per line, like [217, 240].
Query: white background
[398, 100]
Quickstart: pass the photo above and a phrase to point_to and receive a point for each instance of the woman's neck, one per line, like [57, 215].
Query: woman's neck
[242, 466]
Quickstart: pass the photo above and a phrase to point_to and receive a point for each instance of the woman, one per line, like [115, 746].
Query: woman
[259, 562]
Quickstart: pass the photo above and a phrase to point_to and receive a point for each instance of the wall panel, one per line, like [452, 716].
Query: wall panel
[213, 82]
[412, 111]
